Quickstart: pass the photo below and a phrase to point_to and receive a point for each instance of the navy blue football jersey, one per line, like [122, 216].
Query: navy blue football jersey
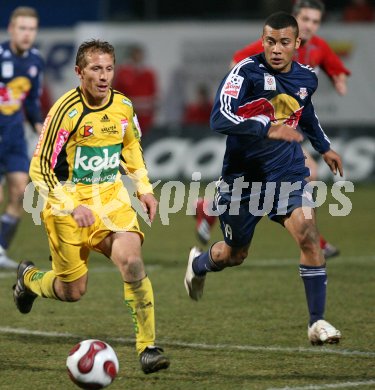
[20, 86]
[250, 99]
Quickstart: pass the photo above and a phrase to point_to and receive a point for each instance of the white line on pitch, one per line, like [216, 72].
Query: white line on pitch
[202, 346]
[271, 262]
[328, 386]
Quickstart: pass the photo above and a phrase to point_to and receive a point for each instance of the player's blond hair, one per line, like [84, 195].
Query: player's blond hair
[92, 46]
[24, 11]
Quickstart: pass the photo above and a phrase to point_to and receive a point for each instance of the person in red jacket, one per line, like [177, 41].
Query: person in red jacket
[313, 51]
[138, 82]
[359, 11]
[198, 112]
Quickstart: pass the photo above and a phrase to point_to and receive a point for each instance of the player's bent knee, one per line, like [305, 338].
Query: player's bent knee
[72, 296]
[133, 266]
[69, 291]
[237, 257]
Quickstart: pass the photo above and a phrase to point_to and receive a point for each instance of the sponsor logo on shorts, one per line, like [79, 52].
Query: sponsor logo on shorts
[93, 165]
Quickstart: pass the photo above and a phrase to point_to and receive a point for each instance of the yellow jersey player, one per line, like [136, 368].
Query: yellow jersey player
[90, 133]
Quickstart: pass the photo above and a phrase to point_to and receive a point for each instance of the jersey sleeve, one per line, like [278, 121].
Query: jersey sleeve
[32, 102]
[231, 95]
[247, 51]
[309, 124]
[332, 64]
[132, 160]
[54, 135]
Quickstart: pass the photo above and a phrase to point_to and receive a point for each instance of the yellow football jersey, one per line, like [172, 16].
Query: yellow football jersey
[81, 149]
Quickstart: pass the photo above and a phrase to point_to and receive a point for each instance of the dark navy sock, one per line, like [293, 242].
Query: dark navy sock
[204, 263]
[315, 281]
[8, 229]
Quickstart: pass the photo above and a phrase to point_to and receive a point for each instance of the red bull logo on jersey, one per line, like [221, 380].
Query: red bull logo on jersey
[302, 93]
[293, 119]
[288, 110]
[233, 85]
[95, 165]
[13, 94]
[260, 106]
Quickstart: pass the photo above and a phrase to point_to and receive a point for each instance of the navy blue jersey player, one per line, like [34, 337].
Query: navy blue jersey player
[21, 67]
[258, 106]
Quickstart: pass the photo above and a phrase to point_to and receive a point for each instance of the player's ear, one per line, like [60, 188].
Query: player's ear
[78, 71]
[298, 43]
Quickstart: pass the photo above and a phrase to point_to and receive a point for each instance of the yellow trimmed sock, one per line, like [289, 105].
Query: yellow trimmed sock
[139, 298]
[41, 283]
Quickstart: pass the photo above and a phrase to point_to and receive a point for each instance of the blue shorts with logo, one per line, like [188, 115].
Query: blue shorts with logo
[240, 214]
[13, 149]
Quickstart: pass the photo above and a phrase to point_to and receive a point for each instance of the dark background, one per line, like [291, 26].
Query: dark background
[69, 12]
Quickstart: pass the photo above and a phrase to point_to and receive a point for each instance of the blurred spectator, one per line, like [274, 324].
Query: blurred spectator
[138, 82]
[359, 11]
[198, 112]
[45, 100]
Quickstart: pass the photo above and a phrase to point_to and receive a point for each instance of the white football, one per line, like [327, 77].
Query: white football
[92, 364]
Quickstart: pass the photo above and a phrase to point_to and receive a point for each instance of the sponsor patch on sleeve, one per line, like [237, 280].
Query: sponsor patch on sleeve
[62, 137]
[137, 127]
[233, 85]
[41, 136]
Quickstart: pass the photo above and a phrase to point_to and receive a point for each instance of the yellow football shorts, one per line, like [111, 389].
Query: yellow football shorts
[70, 244]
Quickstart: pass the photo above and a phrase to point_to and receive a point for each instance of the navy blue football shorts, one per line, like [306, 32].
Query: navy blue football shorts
[240, 214]
[13, 150]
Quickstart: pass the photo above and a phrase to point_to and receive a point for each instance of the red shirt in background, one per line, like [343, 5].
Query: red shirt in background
[316, 52]
[197, 114]
[138, 83]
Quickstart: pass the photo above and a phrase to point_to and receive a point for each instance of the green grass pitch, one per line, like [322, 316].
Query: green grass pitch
[248, 332]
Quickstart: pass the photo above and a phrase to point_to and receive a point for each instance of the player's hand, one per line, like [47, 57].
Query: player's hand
[339, 81]
[333, 160]
[83, 216]
[284, 133]
[149, 204]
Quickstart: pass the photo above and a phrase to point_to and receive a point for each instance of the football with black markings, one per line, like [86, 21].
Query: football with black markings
[92, 364]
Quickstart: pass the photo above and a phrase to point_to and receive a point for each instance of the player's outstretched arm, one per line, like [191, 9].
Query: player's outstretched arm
[339, 81]
[284, 133]
[333, 160]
